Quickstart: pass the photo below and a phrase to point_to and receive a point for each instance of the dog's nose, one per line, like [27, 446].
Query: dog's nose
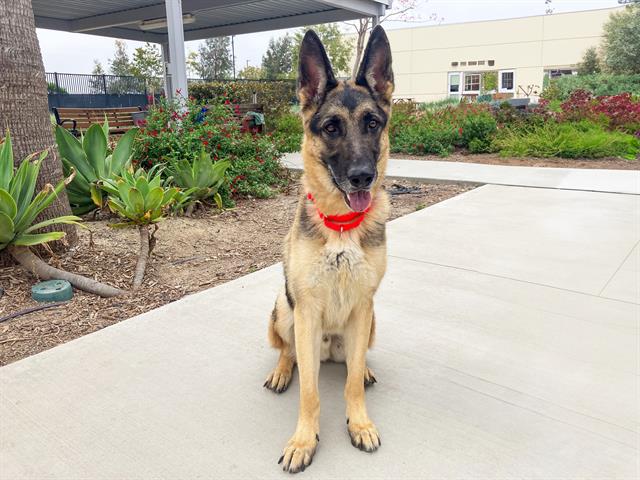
[361, 178]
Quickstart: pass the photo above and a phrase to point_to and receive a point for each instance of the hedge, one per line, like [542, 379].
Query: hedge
[598, 84]
[276, 96]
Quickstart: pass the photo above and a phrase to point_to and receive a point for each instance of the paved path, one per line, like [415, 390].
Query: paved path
[507, 348]
[612, 181]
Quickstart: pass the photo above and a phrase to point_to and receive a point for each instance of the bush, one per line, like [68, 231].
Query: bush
[584, 139]
[619, 112]
[287, 132]
[440, 130]
[597, 84]
[276, 96]
[171, 134]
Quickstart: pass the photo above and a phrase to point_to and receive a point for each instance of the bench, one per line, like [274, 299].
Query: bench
[240, 111]
[77, 119]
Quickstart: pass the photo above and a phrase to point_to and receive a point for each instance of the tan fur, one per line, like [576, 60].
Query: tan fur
[332, 277]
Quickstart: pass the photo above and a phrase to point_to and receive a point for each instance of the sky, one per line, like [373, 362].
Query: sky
[249, 48]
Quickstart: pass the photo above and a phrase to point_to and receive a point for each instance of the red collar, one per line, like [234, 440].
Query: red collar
[340, 223]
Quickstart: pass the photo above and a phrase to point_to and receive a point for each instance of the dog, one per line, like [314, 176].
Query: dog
[335, 251]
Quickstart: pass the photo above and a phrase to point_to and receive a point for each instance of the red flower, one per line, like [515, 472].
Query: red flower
[460, 131]
[205, 142]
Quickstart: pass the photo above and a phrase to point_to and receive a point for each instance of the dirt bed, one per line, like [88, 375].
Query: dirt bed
[494, 159]
[191, 254]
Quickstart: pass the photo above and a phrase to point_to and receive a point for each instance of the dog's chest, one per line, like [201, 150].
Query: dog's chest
[345, 278]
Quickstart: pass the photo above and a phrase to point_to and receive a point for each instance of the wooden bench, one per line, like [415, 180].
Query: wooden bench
[77, 119]
[240, 111]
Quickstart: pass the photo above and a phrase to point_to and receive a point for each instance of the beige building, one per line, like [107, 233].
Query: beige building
[435, 62]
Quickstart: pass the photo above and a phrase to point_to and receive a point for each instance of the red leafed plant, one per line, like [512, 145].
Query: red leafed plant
[619, 112]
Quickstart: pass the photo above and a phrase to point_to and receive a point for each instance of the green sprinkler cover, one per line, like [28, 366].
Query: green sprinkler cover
[52, 291]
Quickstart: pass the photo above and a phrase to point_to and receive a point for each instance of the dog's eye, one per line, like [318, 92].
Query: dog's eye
[373, 124]
[330, 128]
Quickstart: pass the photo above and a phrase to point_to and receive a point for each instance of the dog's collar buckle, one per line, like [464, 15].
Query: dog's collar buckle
[340, 223]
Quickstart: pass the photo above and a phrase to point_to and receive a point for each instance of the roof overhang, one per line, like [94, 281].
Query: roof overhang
[212, 18]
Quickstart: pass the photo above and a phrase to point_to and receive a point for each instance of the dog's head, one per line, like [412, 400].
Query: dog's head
[346, 123]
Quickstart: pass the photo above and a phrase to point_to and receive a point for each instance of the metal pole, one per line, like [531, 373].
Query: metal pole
[375, 20]
[177, 64]
[233, 55]
[168, 91]
[57, 84]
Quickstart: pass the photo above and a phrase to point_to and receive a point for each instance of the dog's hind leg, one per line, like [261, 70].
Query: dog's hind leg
[281, 337]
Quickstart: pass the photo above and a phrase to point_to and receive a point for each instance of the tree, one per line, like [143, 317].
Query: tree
[590, 62]
[97, 80]
[401, 12]
[251, 73]
[148, 65]
[214, 58]
[120, 64]
[621, 41]
[192, 63]
[277, 62]
[339, 47]
[24, 107]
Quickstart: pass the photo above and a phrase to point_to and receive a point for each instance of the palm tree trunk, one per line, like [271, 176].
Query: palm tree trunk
[23, 100]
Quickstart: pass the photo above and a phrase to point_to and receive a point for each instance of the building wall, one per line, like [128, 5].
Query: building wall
[423, 56]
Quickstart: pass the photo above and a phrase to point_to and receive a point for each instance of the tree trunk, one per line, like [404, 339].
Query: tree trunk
[23, 101]
[362, 30]
[143, 256]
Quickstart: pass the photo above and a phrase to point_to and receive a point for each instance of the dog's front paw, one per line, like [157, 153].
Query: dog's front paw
[279, 380]
[369, 378]
[364, 436]
[299, 452]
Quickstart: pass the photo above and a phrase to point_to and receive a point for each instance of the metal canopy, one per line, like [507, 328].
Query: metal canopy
[172, 22]
[211, 18]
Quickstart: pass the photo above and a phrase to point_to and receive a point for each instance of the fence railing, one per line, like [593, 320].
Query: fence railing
[87, 84]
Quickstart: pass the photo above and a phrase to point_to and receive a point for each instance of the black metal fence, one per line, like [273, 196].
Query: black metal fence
[76, 90]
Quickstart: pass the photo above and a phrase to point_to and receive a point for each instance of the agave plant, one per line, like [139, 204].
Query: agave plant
[90, 158]
[19, 208]
[201, 178]
[140, 199]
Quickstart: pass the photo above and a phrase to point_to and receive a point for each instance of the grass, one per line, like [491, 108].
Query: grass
[568, 140]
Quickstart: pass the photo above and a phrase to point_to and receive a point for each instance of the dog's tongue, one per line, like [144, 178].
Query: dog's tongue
[359, 201]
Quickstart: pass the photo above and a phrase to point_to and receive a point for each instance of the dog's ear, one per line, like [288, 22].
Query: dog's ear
[315, 76]
[375, 71]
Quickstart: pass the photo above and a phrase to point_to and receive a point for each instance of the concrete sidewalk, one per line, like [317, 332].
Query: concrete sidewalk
[597, 180]
[506, 348]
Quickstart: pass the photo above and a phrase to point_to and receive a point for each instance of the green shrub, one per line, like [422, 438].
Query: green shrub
[276, 96]
[439, 131]
[436, 104]
[477, 130]
[287, 132]
[583, 139]
[597, 84]
[171, 134]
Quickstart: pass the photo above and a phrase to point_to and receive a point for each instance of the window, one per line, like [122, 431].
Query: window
[507, 80]
[454, 64]
[454, 84]
[480, 62]
[463, 64]
[472, 63]
[471, 82]
[491, 63]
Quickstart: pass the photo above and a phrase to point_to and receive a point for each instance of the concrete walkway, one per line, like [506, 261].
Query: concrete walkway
[611, 181]
[507, 348]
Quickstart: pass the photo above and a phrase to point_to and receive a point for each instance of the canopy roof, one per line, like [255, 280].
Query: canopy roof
[203, 18]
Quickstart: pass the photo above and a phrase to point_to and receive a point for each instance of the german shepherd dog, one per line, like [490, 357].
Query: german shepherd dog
[335, 252]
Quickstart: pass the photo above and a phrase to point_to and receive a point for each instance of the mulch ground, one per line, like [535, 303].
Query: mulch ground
[495, 159]
[191, 254]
